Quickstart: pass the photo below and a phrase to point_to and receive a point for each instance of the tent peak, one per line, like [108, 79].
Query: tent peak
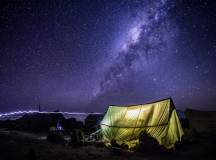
[128, 105]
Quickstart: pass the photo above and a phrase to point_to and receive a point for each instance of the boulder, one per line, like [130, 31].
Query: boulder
[38, 121]
[92, 122]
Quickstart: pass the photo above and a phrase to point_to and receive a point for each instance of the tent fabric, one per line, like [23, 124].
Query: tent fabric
[125, 123]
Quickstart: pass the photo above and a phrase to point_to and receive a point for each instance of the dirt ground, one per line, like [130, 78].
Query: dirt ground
[16, 145]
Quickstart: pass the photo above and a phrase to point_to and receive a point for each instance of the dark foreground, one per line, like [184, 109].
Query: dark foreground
[16, 145]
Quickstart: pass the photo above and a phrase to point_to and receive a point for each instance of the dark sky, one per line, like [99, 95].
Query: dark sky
[85, 55]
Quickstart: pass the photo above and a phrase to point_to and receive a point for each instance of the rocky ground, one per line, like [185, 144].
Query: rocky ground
[17, 145]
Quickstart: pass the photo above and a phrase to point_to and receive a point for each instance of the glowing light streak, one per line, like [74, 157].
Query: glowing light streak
[44, 112]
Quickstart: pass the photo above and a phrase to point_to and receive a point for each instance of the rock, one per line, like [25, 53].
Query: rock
[38, 121]
[92, 122]
[41, 122]
[72, 123]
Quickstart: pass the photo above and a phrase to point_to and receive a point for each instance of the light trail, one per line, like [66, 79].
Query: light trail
[44, 112]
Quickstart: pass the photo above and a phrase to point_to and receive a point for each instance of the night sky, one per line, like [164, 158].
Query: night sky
[85, 55]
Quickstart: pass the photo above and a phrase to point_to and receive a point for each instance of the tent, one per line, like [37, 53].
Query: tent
[124, 124]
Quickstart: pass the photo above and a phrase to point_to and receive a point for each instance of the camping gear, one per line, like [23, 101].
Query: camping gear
[148, 143]
[59, 127]
[126, 123]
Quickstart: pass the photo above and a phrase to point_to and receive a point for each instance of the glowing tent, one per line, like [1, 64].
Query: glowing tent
[124, 124]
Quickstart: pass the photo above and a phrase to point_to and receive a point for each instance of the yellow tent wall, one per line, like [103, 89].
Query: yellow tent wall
[125, 123]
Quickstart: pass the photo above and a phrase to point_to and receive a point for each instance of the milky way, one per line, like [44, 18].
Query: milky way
[143, 58]
[86, 55]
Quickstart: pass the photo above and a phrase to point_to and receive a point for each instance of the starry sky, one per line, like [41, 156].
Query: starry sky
[83, 55]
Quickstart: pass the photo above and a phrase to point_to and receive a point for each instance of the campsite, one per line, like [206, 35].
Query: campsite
[165, 136]
[107, 79]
